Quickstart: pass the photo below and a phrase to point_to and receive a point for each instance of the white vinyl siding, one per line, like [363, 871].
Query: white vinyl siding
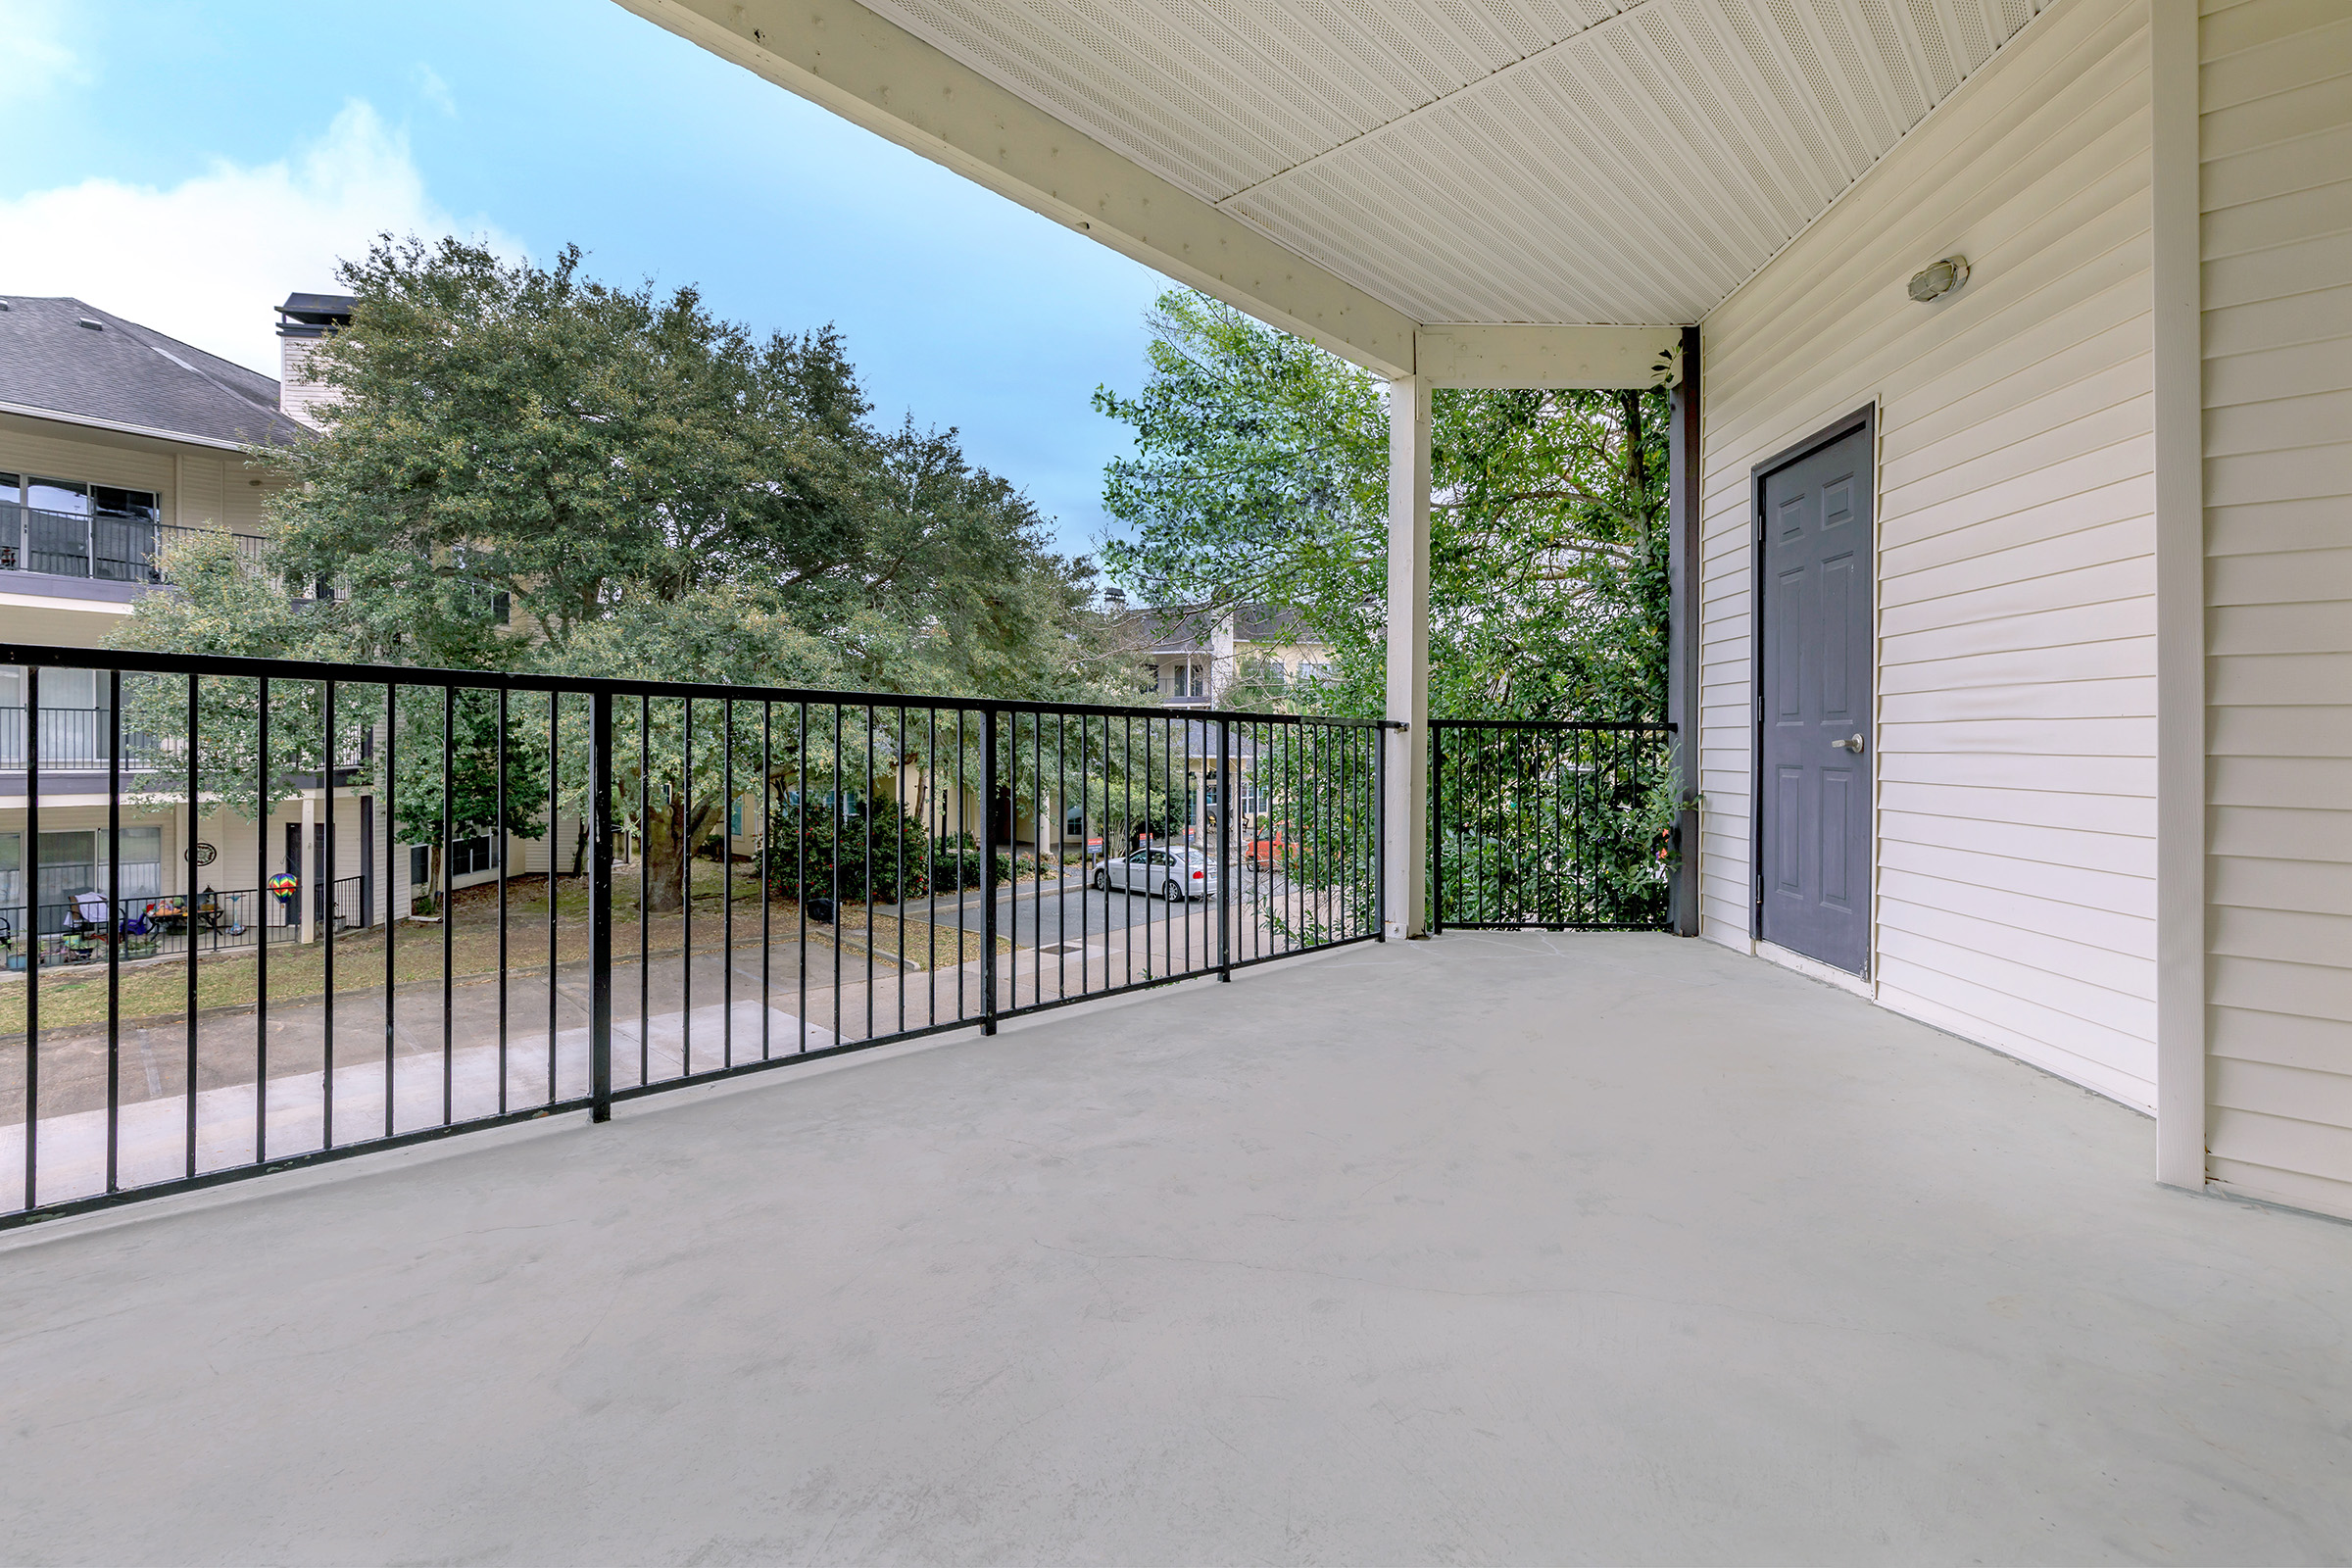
[198, 486]
[2276, 112]
[2016, 675]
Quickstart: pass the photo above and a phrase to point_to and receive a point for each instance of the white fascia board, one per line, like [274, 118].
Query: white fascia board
[874, 74]
[169, 438]
[1544, 356]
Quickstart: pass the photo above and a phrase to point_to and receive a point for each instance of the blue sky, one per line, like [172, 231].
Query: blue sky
[187, 164]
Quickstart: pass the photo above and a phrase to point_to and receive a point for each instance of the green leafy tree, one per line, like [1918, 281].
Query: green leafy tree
[527, 470]
[1260, 476]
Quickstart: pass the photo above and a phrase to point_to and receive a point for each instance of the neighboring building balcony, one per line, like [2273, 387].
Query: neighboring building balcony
[94, 547]
[72, 740]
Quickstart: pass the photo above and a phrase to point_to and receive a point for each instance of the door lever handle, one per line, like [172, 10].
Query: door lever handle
[1852, 743]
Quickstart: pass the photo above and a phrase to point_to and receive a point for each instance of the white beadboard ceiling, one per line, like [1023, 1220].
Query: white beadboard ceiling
[1493, 161]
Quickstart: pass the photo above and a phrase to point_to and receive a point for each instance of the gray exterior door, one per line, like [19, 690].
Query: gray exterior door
[1814, 708]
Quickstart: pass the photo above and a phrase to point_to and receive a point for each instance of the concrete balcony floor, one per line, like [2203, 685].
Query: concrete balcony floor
[1490, 1249]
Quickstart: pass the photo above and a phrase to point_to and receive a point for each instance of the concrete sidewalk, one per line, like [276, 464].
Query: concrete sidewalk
[405, 1065]
[1506, 1249]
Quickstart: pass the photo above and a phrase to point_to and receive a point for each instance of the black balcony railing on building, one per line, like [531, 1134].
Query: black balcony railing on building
[72, 740]
[108, 549]
[701, 880]
[77, 930]
[1563, 826]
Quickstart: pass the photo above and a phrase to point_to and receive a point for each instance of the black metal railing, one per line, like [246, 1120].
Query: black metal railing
[696, 881]
[109, 549]
[1563, 826]
[77, 931]
[72, 740]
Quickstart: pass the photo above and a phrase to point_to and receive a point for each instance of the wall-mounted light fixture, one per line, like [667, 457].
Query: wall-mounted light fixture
[1935, 281]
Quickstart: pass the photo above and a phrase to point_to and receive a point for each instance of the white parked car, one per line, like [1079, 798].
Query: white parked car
[1171, 874]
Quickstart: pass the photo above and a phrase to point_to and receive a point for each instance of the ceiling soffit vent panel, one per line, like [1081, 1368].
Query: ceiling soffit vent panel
[1494, 160]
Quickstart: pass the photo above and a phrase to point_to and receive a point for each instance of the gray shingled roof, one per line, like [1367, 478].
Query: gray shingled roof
[1185, 628]
[126, 373]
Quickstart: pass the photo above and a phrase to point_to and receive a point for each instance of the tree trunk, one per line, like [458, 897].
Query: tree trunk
[664, 859]
[668, 841]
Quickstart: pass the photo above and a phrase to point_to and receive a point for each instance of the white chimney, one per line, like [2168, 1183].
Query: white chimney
[302, 322]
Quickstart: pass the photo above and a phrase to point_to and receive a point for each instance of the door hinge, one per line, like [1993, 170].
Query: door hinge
[1759, 890]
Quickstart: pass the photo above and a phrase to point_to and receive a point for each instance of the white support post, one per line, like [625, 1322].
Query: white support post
[1407, 807]
[2178, 321]
[309, 858]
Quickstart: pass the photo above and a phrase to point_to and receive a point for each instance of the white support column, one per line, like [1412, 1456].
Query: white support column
[2181, 800]
[310, 860]
[1407, 805]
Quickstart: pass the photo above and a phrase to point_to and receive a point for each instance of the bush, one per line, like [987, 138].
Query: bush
[957, 865]
[901, 860]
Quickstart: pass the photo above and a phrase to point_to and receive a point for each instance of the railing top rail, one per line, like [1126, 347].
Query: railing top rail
[1551, 723]
[48, 656]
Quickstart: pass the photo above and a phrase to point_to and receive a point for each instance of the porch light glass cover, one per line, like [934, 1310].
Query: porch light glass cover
[1940, 280]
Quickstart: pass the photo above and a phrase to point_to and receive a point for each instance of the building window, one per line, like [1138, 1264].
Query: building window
[1151, 681]
[73, 863]
[467, 856]
[72, 530]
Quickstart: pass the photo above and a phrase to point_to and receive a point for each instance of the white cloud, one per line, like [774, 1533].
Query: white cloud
[434, 91]
[38, 59]
[208, 260]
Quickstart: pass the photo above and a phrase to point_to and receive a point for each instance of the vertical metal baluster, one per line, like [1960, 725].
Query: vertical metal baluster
[686, 890]
[1294, 851]
[963, 830]
[264, 811]
[1380, 833]
[1576, 831]
[600, 905]
[931, 848]
[1324, 829]
[114, 916]
[554, 747]
[1224, 840]
[865, 866]
[767, 840]
[1495, 795]
[449, 899]
[1085, 818]
[391, 858]
[988, 871]
[898, 839]
[1036, 863]
[327, 853]
[645, 888]
[1360, 815]
[1155, 928]
[726, 884]
[799, 864]
[833, 835]
[1126, 831]
[1539, 767]
[32, 859]
[1341, 741]
[188, 855]
[504, 842]
[1177, 758]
